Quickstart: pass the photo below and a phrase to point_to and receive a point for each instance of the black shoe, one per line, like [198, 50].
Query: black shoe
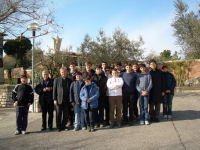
[156, 120]
[59, 130]
[43, 129]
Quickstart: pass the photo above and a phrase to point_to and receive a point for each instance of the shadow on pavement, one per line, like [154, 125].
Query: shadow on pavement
[186, 115]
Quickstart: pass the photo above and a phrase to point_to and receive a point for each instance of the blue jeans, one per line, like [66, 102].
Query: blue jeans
[79, 116]
[167, 104]
[144, 101]
[22, 118]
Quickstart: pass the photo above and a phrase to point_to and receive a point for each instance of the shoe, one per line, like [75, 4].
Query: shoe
[75, 129]
[146, 122]
[111, 126]
[165, 116]
[156, 120]
[84, 128]
[23, 132]
[141, 122]
[59, 130]
[66, 129]
[43, 129]
[92, 130]
[101, 125]
[169, 117]
[119, 125]
[96, 126]
[17, 132]
[88, 129]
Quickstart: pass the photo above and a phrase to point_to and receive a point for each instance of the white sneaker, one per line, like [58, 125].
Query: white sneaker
[84, 128]
[146, 122]
[141, 122]
[17, 132]
[23, 132]
[165, 116]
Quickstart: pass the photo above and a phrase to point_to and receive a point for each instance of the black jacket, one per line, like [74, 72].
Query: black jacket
[158, 86]
[170, 82]
[23, 94]
[72, 76]
[45, 97]
[59, 90]
[75, 91]
[100, 81]
[90, 74]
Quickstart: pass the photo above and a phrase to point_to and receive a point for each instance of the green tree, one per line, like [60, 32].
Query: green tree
[187, 30]
[166, 55]
[110, 49]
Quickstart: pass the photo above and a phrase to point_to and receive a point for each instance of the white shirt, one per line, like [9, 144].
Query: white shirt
[115, 86]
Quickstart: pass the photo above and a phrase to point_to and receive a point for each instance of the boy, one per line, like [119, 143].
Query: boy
[157, 91]
[114, 85]
[170, 83]
[89, 102]
[100, 79]
[128, 90]
[75, 100]
[144, 85]
[23, 97]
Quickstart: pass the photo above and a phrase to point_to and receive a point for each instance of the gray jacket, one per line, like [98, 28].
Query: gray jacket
[144, 82]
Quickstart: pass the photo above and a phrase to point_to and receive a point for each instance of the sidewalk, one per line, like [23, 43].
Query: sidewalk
[183, 133]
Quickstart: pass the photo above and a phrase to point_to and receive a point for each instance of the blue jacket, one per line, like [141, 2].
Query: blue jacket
[170, 82]
[75, 91]
[93, 95]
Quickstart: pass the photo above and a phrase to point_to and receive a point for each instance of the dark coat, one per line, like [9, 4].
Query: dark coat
[72, 76]
[158, 86]
[100, 81]
[58, 89]
[75, 92]
[91, 73]
[170, 82]
[23, 94]
[45, 97]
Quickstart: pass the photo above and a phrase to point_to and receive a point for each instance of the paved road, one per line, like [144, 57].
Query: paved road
[183, 133]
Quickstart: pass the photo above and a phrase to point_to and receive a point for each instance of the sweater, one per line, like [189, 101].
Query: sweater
[129, 86]
[144, 82]
[115, 86]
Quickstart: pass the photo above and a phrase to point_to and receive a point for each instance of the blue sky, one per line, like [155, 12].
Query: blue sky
[150, 19]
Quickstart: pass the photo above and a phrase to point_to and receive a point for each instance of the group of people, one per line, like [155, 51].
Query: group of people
[95, 98]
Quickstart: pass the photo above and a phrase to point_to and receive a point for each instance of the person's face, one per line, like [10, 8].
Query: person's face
[63, 73]
[98, 71]
[153, 65]
[165, 70]
[88, 67]
[104, 65]
[78, 77]
[88, 82]
[143, 69]
[135, 67]
[72, 68]
[107, 71]
[128, 69]
[45, 75]
[118, 67]
[23, 80]
[114, 73]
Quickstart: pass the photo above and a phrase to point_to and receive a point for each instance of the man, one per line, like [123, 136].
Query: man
[170, 84]
[23, 97]
[156, 92]
[61, 90]
[128, 89]
[100, 79]
[104, 65]
[72, 77]
[45, 91]
[89, 72]
[119, 68]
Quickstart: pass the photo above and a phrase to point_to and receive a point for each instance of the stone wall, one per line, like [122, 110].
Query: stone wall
[5, 95]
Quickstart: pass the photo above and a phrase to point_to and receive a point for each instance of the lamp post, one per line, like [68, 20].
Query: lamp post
[33, 27]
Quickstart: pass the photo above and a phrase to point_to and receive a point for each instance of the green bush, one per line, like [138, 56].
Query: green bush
[11, 81]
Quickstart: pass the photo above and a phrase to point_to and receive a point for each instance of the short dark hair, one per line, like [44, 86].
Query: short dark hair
[135, 64]
[152, 61]
[114, 70]
[142, 66]
[78, 73]
[72, 63]
[164, 66]
[87, 78]
[88, 63]
[23, 76]
[104, 62]
[128, 65]
[98, 67]
[118, 64]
